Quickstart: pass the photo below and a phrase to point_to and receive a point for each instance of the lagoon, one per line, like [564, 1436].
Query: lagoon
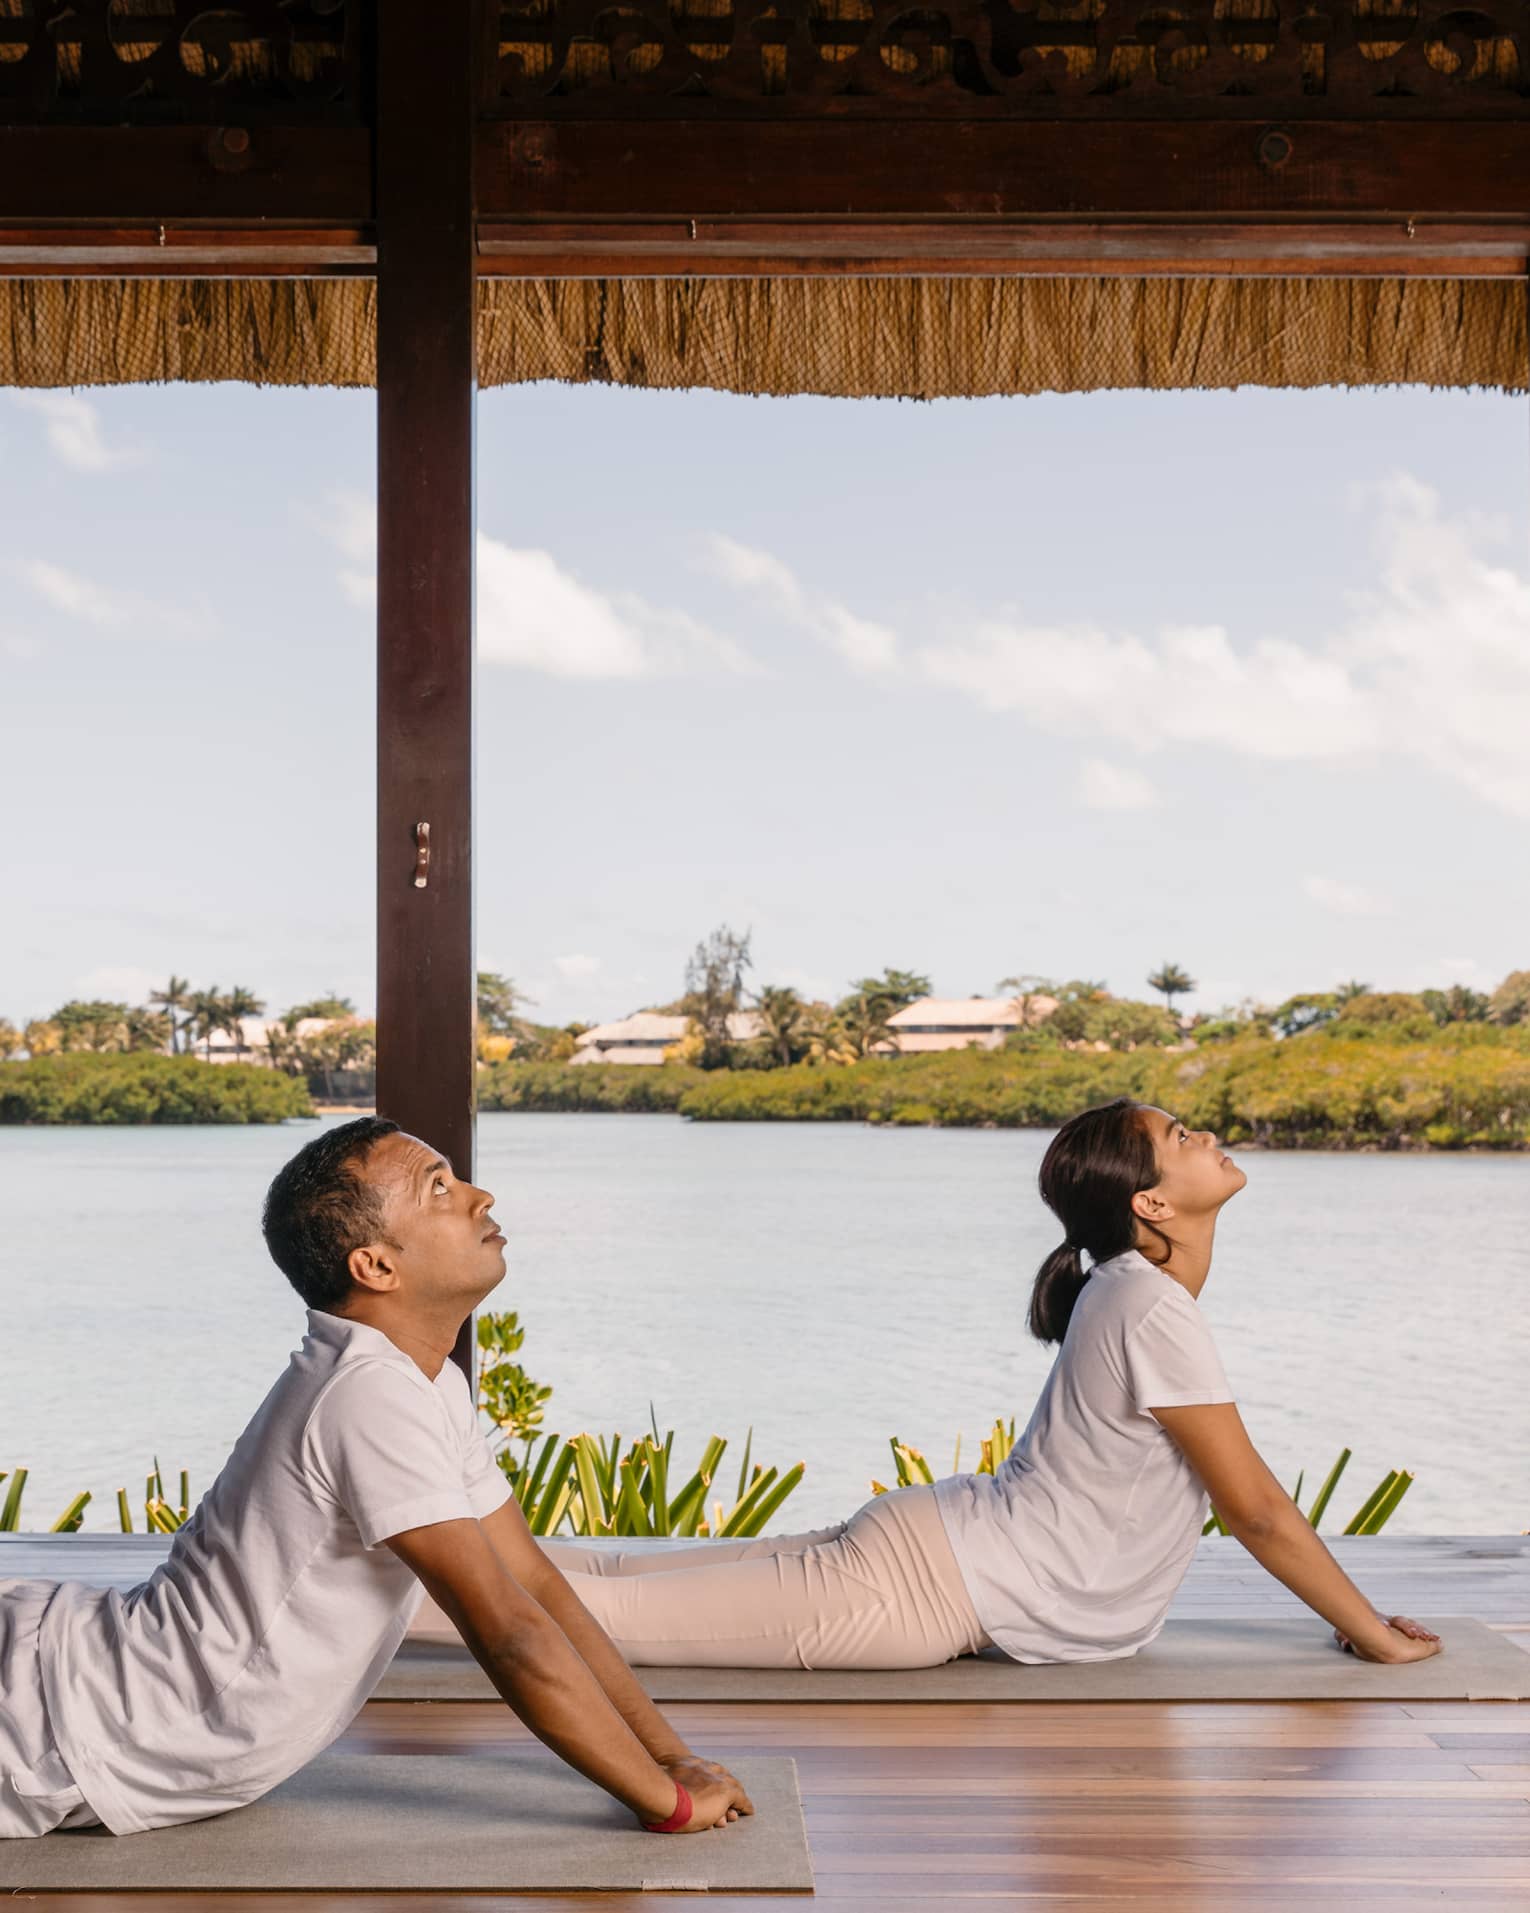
[832, 1284]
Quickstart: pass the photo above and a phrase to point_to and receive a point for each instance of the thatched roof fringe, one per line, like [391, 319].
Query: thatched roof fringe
[843, 337]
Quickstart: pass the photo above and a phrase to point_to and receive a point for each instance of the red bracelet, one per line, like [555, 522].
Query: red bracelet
[682, 1813]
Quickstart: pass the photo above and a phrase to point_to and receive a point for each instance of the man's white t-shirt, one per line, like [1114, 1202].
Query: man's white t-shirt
[1074, 1549]
[256, 1642]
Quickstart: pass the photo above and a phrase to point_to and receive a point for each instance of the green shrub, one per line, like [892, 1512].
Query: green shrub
[610, 1087]
[145, 1088]
[1347, 1084]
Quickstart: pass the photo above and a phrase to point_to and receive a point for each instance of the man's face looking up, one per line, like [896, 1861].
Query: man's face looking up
[439, 1240]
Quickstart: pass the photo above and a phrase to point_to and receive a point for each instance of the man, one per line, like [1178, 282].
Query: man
[362, 1478]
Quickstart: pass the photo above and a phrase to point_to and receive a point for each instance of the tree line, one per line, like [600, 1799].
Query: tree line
[790, 1029]
[179, 1019]
[1052, 1013]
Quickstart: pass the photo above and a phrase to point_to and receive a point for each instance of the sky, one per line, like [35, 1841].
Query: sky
[1068, 686]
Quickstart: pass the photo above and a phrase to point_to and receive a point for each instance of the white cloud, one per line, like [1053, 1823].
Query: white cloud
[1430, 664]
[1188, 686]
[532, 614]
[1344, 899]
[73, 426]
[67, 591]
[105, 607]
[353, 530]
[576, 965]
[17, 646]
[536, 616]
[1106, 786]
[868, 648]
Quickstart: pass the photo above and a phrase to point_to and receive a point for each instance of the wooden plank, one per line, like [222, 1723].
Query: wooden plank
[426, 396]
[1486, 1576]
[759, 248]
[177, 250]
[942, 171]
[116, 174]
[959, 1813]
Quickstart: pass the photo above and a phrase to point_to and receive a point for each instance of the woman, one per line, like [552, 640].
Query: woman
[1073, 1551]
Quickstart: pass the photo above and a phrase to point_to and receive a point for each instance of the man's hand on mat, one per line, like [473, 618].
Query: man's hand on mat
[1409, 1641]
[715, 1803]
[696, 1775]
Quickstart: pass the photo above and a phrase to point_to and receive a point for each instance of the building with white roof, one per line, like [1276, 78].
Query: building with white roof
[256, 1047]
[961, 1022]
[644, 1037]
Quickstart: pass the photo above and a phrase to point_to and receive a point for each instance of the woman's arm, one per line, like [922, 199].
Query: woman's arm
[1257, 1510]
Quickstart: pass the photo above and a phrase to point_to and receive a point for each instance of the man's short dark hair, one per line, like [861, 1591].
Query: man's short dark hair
[319, 1207]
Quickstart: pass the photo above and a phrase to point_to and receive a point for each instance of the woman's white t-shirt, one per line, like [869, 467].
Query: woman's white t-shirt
[278, 1609]
[1074, 1549]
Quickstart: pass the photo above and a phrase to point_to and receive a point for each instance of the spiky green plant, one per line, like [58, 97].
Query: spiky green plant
[594, 1484]
[10, 1509]
[911, 1466]
[159, 1517]
[1370, 1518]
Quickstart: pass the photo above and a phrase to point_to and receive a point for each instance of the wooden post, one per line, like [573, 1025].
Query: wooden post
[426, 390]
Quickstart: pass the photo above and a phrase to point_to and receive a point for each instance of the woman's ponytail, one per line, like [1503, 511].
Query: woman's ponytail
[1059, 1283]
[1093, 1167]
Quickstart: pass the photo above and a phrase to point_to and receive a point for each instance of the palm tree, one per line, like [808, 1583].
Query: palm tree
[284, 1046]
[499, 1002]
[865, 1021]
[176, 995]
[322, 1006]
[1026, 991]
[205, 1016]
[783, 1016]
[896, 988]
[238, 1004]
[1173, 981]
[1347, 992]
[148, 1029]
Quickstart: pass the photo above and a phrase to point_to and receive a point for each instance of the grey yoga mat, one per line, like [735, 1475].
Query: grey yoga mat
[1244, 1659]
[514, 1822]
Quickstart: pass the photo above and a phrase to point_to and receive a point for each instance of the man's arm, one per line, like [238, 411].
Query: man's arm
[541, 1676]
[517, 1547]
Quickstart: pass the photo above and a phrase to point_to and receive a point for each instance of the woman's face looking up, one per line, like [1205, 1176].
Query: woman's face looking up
[1195, 1177]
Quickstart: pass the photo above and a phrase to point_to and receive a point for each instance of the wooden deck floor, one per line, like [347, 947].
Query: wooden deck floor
[1318, 1805]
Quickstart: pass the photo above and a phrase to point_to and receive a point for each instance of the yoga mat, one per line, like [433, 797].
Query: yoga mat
[1247, 1659]
[510, 1822]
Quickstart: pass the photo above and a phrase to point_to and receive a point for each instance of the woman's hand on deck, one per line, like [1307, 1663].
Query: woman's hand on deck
[1409, 1641]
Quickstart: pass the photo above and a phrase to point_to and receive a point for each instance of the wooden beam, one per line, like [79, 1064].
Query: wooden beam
[117, 175]
[426, 393]
[947, 171]
[762, 248]
[175, 250]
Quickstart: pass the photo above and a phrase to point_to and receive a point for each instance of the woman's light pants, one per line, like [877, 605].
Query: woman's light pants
[880, 1590]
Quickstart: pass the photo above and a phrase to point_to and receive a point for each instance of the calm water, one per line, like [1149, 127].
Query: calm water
[834, 1285]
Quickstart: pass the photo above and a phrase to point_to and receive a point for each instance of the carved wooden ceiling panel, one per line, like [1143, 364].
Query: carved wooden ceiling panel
[300, 61]
[1084, 58]
[148, 61]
